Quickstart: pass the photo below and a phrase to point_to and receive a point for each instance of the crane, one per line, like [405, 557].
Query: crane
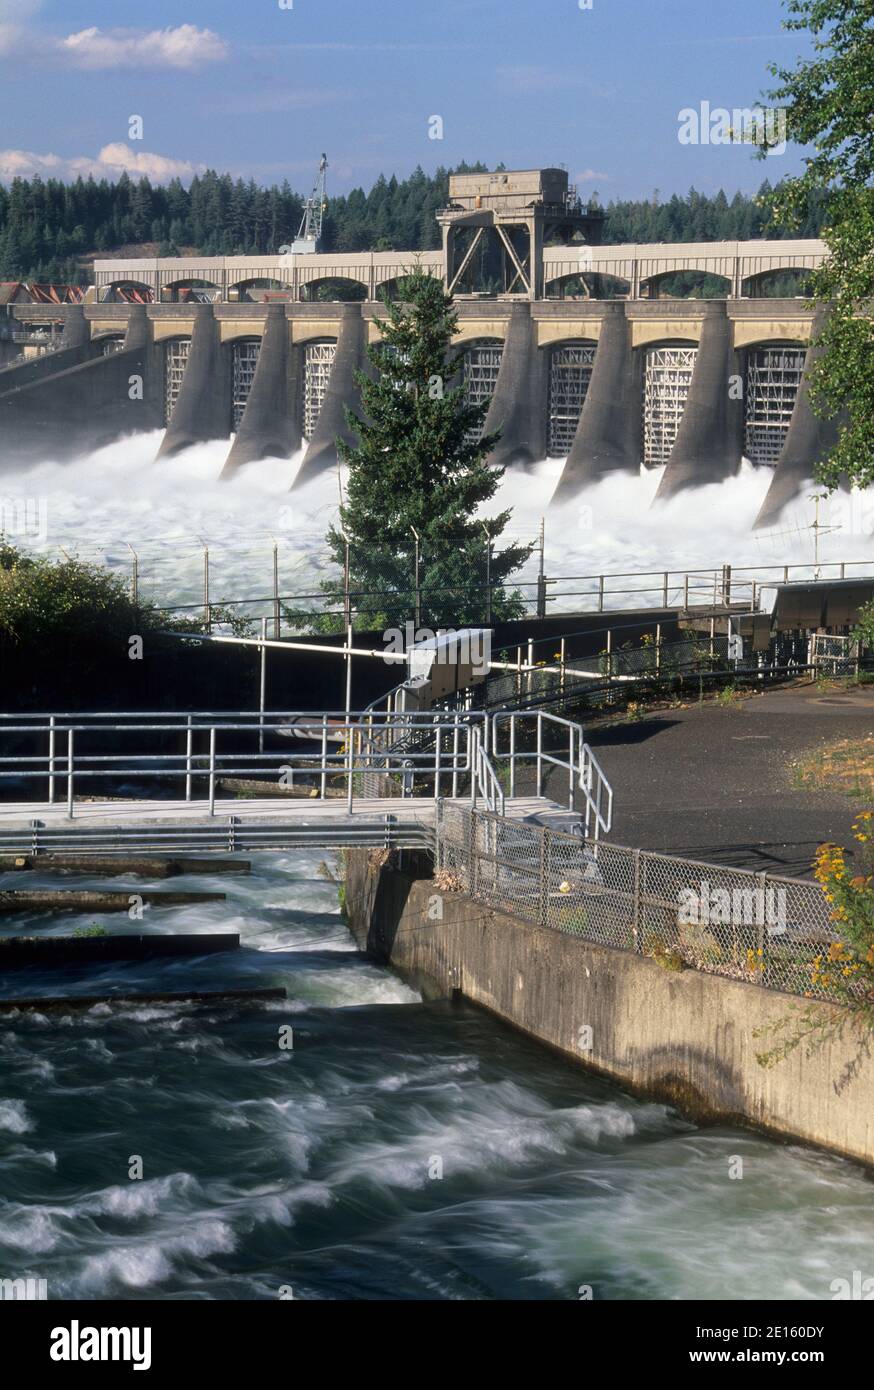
[310, 232]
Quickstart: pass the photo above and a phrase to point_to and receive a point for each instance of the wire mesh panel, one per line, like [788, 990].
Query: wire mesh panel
[176, 354]
[773, 379]
[246, 356]
[755, 927]
[318, 363]
[482, 363]
[833, 654]
[666, 389]
[570, 372]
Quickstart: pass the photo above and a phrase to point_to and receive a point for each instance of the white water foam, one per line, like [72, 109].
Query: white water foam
[119, 497]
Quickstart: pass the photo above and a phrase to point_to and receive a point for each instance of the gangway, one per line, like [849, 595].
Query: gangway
[141, 779]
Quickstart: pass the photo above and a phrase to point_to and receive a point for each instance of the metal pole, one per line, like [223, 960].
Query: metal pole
[350, 759]
[189, 749]
[262, 705]
[277, 614]
[70, 774]
[206, 609]
[51, 759]
[539, 755]
[212, 733]
[665, 591]
[349, 671]
[561, 660]
[600, 593]
[658, 648]
[610, 654]
[324, 756]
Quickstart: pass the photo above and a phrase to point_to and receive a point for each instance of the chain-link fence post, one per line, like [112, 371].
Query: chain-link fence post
[635, 905]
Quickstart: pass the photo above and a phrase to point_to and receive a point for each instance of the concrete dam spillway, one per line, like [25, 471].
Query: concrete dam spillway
[209, 352]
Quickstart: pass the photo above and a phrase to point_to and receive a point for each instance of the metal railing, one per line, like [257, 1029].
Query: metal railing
[381, 751]
[440, 755]
[760, 928]
[529, 736]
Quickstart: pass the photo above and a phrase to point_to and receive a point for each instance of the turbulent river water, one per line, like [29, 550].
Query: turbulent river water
[117, 498]
[318, 1170]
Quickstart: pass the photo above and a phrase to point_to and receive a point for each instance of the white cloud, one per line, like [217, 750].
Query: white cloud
[186, 46]
[109, 163]
[183, 47]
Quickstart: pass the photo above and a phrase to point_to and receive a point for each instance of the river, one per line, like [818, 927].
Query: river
[399, 1150]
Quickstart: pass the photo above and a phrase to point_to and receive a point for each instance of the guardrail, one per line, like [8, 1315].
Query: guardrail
[440, 756]
[761, 928]
[584, 773]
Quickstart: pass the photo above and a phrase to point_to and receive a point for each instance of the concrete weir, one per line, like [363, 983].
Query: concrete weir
[687, 1038]
[611, 383]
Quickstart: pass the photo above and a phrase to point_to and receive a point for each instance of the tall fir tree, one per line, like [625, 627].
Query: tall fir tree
[418, 478]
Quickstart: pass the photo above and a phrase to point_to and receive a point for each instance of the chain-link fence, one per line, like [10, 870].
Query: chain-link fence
[756, 927]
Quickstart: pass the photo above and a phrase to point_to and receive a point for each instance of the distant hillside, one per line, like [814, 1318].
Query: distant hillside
[51, 230]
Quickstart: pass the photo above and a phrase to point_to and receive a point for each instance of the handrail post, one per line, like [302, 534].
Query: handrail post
[350, 762]
[324, 782]
[437, 766]
[51, 760]
[212, 740]
[539, 753]
[189, 749]
[455, 759]
[635, 906]
[512, 755]
[70, 774]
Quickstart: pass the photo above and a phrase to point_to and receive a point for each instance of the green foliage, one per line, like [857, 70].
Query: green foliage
[864, 629]
[829, 99]
[42, 599]
[415, 471]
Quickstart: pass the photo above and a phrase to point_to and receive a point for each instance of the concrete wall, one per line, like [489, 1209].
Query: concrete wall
[688, 1038]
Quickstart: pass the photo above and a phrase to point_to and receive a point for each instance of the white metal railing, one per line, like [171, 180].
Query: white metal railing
[429, 751]
[432, 753]
[485, 784]
[527, 741]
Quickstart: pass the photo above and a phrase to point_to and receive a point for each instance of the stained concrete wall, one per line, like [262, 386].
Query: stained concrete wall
[342, 394]
[203, 408]
[688, 1038]
[518, 407]
[267, 429]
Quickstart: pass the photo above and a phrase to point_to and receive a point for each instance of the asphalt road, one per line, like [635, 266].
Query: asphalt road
[715, 783]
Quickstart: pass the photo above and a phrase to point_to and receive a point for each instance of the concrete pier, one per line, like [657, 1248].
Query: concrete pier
[268, 428]
[342, 393]
[517, 407]
[709, 443]
[203, 410]
[608, 436]
[809, 438]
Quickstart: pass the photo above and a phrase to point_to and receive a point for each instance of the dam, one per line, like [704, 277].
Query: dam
[577, 348]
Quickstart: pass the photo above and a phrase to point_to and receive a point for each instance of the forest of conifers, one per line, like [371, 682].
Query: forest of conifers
[47, 227]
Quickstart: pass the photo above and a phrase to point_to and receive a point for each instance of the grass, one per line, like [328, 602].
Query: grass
[846, 767]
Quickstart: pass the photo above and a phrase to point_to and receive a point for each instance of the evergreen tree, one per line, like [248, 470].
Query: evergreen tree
[420, 469]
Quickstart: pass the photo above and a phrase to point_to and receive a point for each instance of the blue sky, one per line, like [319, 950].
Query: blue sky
[250, 87]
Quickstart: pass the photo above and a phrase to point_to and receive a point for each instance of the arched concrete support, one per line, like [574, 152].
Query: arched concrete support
[518, 407]
[807, 440]
[203, 410]
[267, 429]
[608, 436]
[709, 442]
[342, 391]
